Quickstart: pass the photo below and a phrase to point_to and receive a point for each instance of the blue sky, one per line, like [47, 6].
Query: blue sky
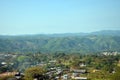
[58, 16]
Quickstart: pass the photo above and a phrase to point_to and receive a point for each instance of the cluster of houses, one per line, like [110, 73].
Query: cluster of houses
[53, 72]
[61, 73]
[110, 53]
[78, 74]
[66, 74]
[4, 58]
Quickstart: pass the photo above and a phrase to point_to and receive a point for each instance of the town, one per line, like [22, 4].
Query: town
[58, 66]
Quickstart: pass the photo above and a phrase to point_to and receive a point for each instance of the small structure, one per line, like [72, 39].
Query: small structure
[19, 75]
[3, 63]
[82, 65]
[82, 71]
[52, 61]
[80, 78]
[110, 53]
[76, 74]
[65, 77]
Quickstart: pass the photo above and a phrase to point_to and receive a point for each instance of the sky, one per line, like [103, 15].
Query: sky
[58, 16]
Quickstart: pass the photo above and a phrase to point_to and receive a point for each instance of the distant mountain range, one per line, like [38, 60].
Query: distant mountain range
[107, 40]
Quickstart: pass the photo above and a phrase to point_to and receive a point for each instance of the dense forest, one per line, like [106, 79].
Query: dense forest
[68, 43]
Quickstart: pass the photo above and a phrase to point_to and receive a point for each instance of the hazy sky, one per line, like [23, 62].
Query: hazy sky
[58, 16]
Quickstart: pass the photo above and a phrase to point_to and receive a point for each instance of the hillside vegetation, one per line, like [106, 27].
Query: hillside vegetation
[69, 43]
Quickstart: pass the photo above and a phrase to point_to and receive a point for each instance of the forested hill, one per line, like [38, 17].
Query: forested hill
[69, 42]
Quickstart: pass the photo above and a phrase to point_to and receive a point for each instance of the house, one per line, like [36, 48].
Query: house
[110, 53]
[80, 78]
[65, 77]
[77, 74]
[3, 63]
[19, 75]
[52, 61]
[80, 71]
[82, 65]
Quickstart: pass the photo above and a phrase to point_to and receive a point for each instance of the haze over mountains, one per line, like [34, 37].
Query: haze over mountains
[106, 40]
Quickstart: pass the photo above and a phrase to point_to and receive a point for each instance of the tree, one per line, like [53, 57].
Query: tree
[34, 72]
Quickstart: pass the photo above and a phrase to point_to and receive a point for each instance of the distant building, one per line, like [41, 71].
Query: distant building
[76, 74]
[52, 61]
[80, 71]
[65, 77]
[80, 78]
[82, 65]
[110, 53]
[3, 63]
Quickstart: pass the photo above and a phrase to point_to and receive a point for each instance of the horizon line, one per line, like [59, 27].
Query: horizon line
[54, 33]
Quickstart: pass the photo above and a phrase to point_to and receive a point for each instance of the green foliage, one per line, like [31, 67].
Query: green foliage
[116, 75]
[100, 75]
[30, 72]
[21, 58]
[67, 44]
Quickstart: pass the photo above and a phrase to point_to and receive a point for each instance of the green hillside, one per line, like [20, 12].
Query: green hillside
[50, 43]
